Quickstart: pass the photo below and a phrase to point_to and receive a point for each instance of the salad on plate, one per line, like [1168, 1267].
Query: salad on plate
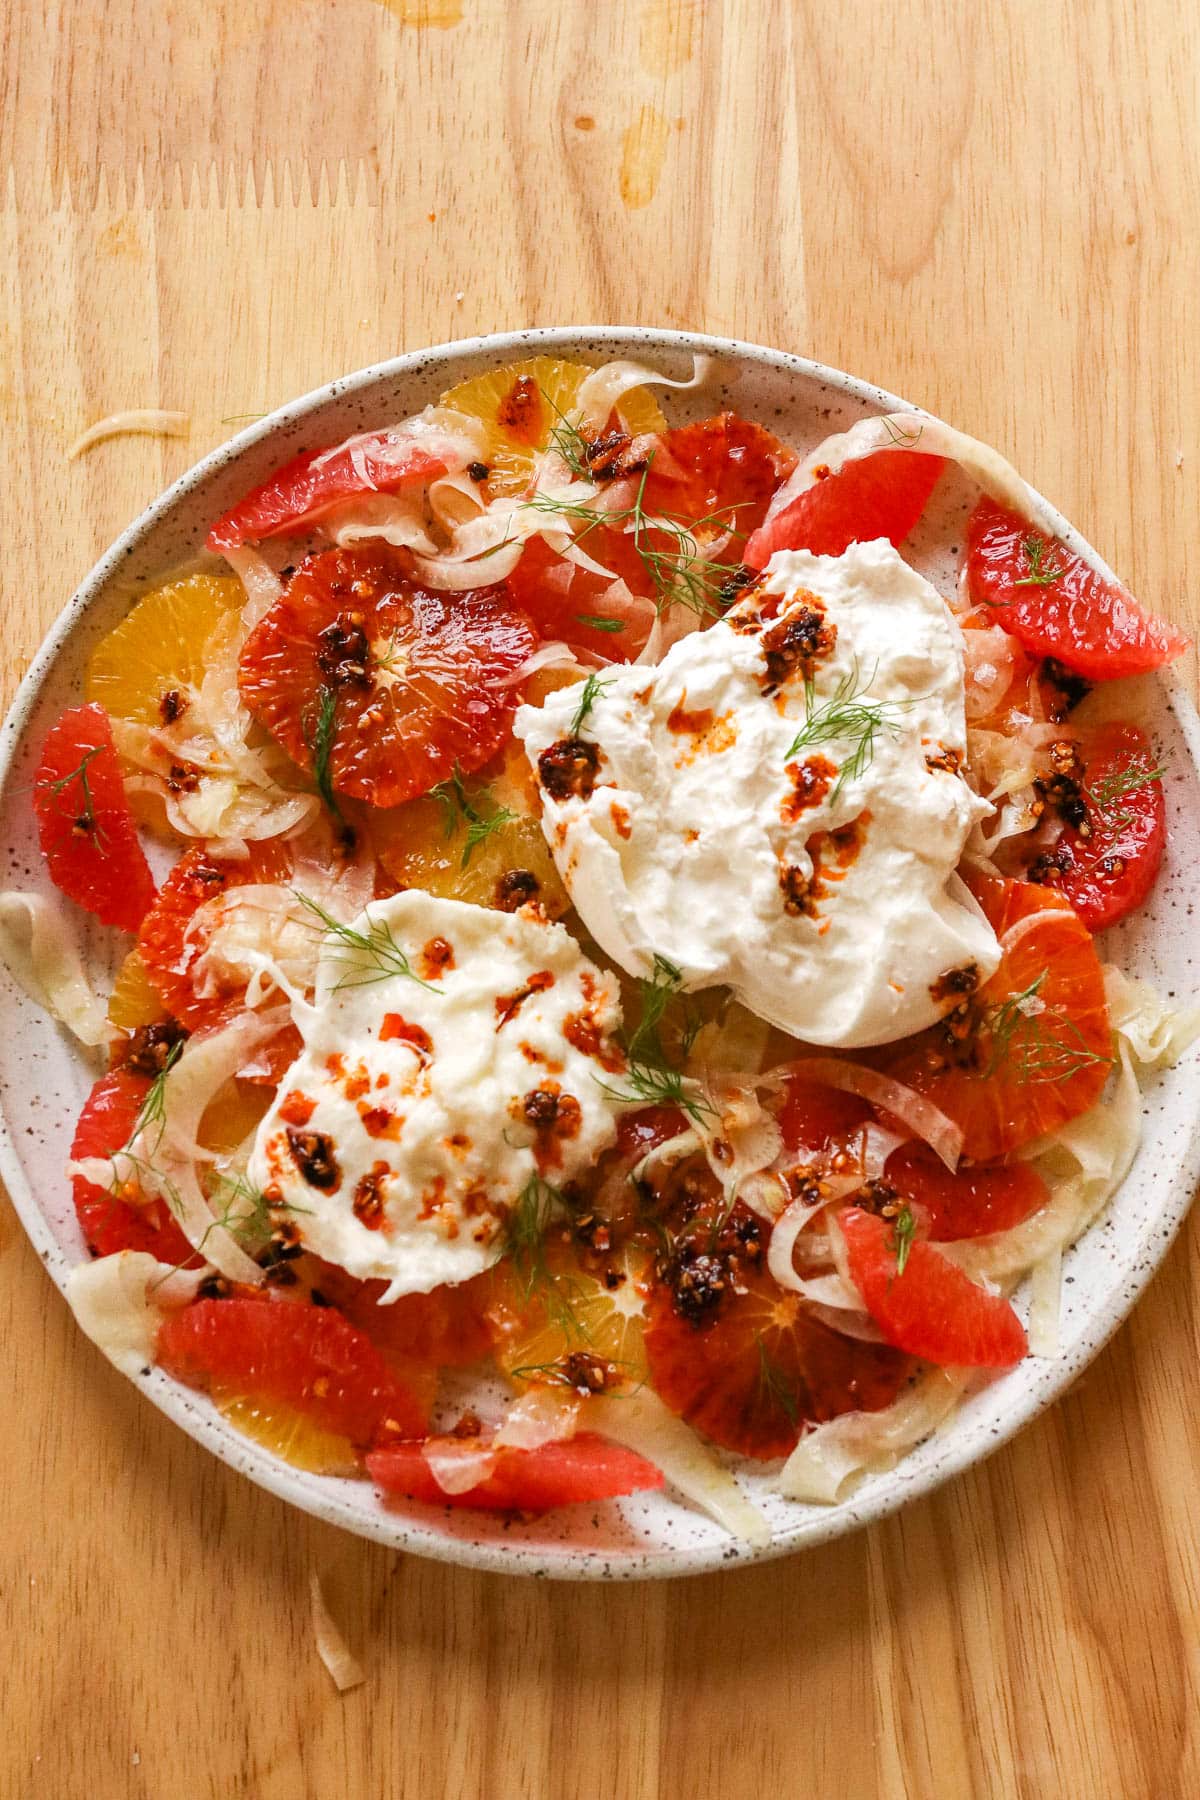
[612, 983]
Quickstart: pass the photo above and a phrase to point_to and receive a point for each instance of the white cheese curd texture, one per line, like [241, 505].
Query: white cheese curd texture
[410, 1105]
[697, 841]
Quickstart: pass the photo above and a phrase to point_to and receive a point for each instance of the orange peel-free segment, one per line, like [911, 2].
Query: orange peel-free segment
[157, 651]
[521, 404]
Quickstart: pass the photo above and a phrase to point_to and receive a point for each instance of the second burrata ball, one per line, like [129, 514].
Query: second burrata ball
[777, 805]
[453, 1056]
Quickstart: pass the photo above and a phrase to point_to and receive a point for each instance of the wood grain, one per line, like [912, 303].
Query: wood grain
[992, 208]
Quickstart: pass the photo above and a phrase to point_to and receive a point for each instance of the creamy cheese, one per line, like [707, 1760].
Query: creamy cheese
[421, 1109]
[816, 880]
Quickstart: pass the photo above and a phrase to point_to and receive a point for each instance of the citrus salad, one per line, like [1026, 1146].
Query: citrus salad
[611, 981]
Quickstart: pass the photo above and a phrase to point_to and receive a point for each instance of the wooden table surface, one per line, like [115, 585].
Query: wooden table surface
[991, 208]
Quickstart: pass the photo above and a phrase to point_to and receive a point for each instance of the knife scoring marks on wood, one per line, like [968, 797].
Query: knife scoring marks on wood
[643, 152]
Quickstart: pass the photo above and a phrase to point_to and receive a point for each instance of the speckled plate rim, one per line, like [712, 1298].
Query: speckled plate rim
[959, 1448]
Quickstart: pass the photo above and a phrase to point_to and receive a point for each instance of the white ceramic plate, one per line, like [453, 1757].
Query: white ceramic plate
[43, 1079]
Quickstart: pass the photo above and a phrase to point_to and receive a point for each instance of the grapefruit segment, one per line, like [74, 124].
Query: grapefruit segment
[1055, 604]
[1107, 864]
[312, 484]
[881, 495]
[85, 825]
[930, 1308]
[971, 1202]
[112, 1222]
[582, 1468]
[308, 1357]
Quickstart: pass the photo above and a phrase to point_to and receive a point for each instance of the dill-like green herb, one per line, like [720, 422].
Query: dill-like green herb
[846, 718]
[904, 1229]
[569, 441]
[600, 622]
[246, 1213]
[1035, 551]
[1035, 1042]
[676, 567]
[524, 1238]
[460, 807]
[773, 1384]
[651, 1078]
[593, 687]
[376, 946]
[153, 1110]
[86, 816]
[1106, 797]
[320, 734]
[903, 437]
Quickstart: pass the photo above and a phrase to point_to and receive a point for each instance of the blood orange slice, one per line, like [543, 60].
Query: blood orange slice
[382, 686]
[308, 1357]
[169, 946]
[1055, 604]
[1038, 1050]
[722, 471]
[881, 495]
[85, 826]
[929, 1308]
[763, 1367]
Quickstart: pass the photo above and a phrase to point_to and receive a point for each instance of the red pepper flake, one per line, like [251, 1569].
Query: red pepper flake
[555, 1117]
[313, 1154]
[396, 1027]
[436, 957]
[620, 818]
[520, 411]
[381, 1122]
[679, 719]
[368, 1197]
[797, 642]
[296, 1108]
[509, 1005]
[358, 1083]
[583, 1032]
[811, 780]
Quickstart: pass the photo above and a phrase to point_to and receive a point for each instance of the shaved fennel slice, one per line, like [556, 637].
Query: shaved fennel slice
[923, 1118]
[1157, 1034]
[263, 586]
[458, 1465]
[829, 1461]
[925, 436]
[1045, 1297]
[396, 519]
[605, 386]
[162, 1156]
[641, 1422]
[40, 953]
[119, 1300]
[541, 1416]
[346, 1671]
[138, 421]
[1083, 1164]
